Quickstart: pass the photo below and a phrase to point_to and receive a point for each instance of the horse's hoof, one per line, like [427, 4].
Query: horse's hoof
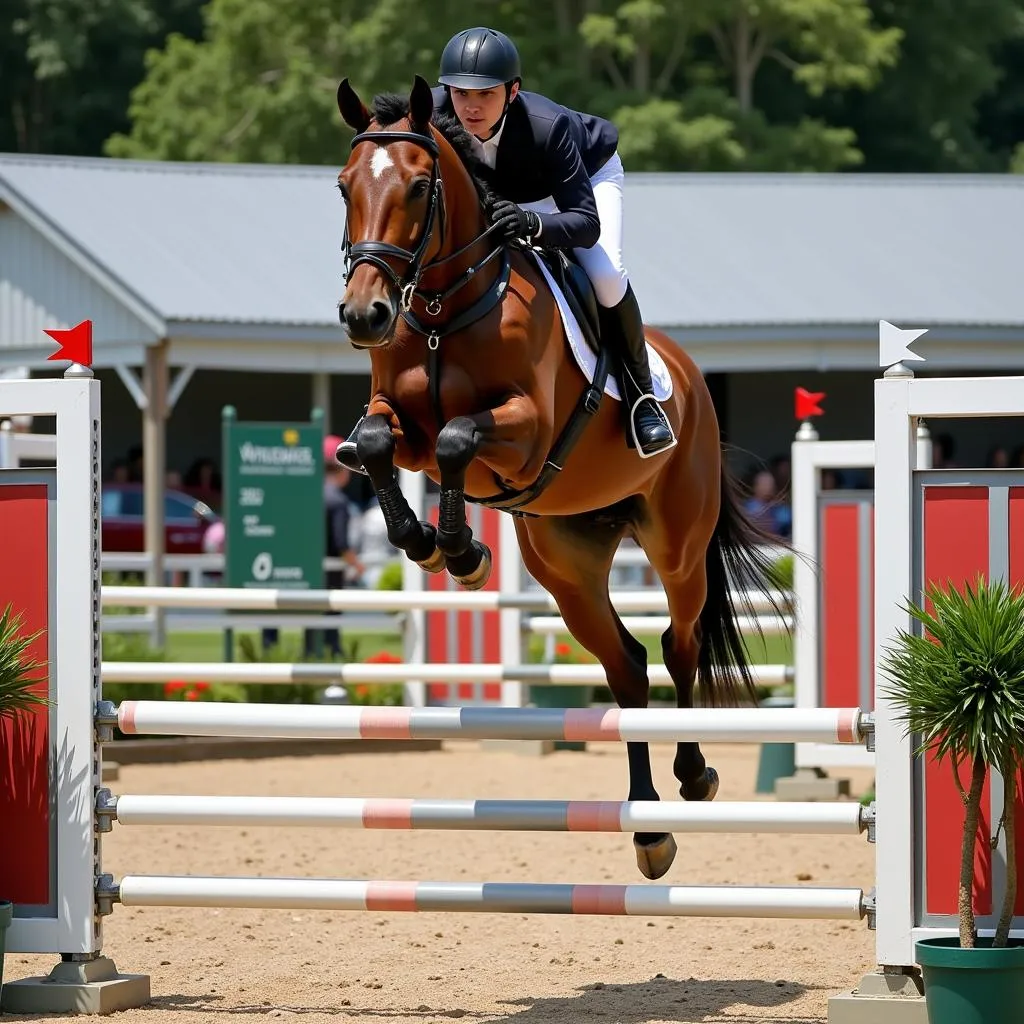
[435, 563]
[480, 575]
[709, 782]
[654, 857]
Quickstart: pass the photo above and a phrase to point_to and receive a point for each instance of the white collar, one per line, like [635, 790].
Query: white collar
[488, 148]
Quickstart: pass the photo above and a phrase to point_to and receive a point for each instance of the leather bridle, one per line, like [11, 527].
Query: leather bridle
[407, 284]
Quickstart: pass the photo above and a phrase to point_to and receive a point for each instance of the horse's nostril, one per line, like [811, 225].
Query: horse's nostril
[380, 313]
[341, 313]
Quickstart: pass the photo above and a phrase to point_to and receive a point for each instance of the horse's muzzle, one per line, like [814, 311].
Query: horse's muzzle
[370, 324]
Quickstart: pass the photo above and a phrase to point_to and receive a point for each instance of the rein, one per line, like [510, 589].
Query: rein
[408, 283]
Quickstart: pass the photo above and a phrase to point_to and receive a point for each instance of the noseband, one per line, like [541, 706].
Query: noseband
[377, 252]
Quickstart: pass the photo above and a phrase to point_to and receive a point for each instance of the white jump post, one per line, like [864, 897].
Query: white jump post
[50, 872]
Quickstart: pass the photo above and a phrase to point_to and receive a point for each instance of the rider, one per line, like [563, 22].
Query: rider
[560, 180]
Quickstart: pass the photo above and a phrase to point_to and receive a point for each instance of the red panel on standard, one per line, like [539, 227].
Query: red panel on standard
[1016, 567]
[955, 549]
[25, 743]
[840, 604]
[871, 613]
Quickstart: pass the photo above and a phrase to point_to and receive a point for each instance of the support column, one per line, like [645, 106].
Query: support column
[154, 448]
[321, 399]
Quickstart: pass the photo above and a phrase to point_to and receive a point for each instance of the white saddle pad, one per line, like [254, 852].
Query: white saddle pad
[586, 358]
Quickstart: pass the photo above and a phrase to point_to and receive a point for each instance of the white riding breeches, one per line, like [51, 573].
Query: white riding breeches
[603, 261]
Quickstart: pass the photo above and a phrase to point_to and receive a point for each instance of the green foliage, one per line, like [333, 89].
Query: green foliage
[284, 651]
[781, 574]
[391, 577]
[709, 85]
[19, 671]
[960, 685]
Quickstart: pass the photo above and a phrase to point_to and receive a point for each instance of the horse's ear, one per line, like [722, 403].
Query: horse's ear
[421, 103]
[351, 106]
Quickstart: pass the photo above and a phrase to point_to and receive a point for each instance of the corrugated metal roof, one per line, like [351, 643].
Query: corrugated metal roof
[736, 249]
[200, 242]
[261, 244]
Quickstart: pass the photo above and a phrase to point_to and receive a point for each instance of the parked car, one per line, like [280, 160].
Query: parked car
[186, 519]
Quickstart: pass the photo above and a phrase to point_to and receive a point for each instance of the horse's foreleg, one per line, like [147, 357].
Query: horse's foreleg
[468, 561]
[375, 445]
[505, 438]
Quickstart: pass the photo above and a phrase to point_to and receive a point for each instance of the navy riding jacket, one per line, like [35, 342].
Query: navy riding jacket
[549, 150]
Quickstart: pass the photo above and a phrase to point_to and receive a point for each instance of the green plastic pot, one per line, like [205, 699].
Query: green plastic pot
[6, 915]
[972, 986]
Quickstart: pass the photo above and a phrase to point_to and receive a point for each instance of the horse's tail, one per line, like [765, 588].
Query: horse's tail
[736, 557]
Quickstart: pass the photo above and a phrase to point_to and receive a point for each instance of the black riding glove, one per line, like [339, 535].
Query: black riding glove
[514, 221]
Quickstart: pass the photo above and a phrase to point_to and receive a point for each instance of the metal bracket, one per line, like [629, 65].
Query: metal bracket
[869, 906]
[107, 894]
[105, 718]
[106, 810]
[869, 818]
[867, 726]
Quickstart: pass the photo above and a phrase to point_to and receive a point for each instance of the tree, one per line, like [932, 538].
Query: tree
[67, 66]
[946, 105]
[261, 85]
[717, 125]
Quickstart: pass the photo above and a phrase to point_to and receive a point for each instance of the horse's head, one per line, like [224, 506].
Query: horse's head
[393, 197]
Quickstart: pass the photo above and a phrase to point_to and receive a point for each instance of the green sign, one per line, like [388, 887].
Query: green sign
[273, 503]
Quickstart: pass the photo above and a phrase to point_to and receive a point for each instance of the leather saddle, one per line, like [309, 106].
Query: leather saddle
[578, 291]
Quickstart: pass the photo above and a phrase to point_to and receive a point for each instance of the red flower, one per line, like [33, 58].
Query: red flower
[564, 650]
[201, 687]
[174, 686]
[383, 658]
[191, 695]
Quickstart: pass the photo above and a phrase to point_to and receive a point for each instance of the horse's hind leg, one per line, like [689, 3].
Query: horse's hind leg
[571, 558]
[375, 445]
[680, 646]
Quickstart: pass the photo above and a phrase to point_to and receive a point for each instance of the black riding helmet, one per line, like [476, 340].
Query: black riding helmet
[479, 58]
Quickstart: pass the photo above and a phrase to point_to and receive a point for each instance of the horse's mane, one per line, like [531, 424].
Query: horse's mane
[390, 107]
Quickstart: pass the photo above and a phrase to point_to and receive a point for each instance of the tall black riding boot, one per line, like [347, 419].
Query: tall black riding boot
[347, 454]
[648, 428]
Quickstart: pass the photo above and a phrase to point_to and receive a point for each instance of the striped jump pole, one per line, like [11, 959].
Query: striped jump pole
[652, 725]
[485, 897]
[655, 625]
[362, 672]
[841, 818]
[238, 599]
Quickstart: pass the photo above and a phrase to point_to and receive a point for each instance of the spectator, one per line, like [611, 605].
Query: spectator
[764, 508]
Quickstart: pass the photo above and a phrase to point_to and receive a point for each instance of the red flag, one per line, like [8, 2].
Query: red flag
[807, 403]
[75, 343]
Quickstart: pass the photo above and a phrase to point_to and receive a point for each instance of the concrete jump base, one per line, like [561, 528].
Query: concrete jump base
[89, 987]
[881, 999]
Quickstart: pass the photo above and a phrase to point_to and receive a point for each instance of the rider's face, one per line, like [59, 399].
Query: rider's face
[478, 109]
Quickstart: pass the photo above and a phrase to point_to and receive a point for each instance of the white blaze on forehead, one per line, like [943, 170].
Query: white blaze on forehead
[380, 162]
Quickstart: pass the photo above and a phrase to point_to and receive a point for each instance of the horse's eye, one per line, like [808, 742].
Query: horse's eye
[419, 188]
[344, 193]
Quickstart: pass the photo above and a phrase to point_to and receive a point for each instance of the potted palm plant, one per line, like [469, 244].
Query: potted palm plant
[958, 685]
[18, 679]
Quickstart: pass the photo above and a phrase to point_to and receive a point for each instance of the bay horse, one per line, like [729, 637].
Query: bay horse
[472, 383]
